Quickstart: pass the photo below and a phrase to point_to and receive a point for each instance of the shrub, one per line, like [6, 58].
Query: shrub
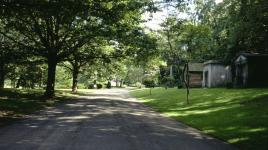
[91, 86]
[99, 86]
[81, 86]
[109, 85]
[168, 82]
[149, 83]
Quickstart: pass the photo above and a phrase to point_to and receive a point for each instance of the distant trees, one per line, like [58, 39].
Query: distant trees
[236, 25]
[9, 54]
[226, 28]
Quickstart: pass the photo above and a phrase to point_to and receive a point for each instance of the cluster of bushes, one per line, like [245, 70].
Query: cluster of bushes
[165, 78]
[99, 85]
[93, 86]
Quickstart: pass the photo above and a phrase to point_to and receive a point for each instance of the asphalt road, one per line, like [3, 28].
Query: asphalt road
[106, 120]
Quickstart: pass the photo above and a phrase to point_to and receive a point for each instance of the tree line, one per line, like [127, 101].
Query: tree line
[104, 39]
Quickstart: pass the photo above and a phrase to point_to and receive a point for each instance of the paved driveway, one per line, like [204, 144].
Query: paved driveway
[106, 120]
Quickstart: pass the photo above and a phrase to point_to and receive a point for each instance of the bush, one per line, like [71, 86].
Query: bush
[81, 86]
[149, 83]
[99, 86]
[109, 85]
[91, 86]
[169, 82]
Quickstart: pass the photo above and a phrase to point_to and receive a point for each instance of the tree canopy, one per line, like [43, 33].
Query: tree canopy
[54, 30]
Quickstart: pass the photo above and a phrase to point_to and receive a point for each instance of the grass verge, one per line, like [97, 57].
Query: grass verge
[238, 116]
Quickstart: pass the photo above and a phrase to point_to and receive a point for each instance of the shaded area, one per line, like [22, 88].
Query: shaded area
[239, 116]
[104, 122]
[16, 104]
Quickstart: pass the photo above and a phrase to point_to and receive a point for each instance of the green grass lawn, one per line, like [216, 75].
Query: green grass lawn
[238, 116]
[16, 104]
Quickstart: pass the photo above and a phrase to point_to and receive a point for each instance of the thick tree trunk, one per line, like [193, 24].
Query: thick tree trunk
[2, 75]
[50, 89]
[75, 77]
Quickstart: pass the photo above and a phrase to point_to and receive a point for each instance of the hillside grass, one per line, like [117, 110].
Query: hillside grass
[16, 104]
[238, 116]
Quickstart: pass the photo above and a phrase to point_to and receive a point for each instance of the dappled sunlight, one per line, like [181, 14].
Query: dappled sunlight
[193, 112]
[238, 116]
[236, 140]
[256, 130]
[73, 118]
[111, 117]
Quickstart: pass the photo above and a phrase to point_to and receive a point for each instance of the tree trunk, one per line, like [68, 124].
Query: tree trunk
[75, 77]
[2, 75]
[50, 88]
[18, 83]
[121, 83]
[266, 41]
[117, 82]
[187, 80]
[171, 71]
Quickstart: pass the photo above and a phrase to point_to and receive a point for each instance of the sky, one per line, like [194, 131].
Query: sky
[155, 19]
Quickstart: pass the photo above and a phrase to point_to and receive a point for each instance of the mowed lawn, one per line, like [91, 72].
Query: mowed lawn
[238, 116]
[16, 104]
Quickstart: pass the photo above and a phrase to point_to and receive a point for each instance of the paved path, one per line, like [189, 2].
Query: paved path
[106, 120]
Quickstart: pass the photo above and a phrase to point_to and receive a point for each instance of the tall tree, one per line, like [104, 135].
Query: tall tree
[9, 54]
[170, 45]
[55, 29]
[237, 25]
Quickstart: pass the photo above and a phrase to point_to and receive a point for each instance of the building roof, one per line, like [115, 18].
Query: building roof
[196, 67]
[252, 55]
[213, 62]
[243, 57]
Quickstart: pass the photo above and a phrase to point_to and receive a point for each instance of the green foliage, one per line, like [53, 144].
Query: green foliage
[217, 31]
[99, 86]
[63, 78]
[57, 30]
[134, 74]
[165, 79]
[91, 86]
[170, 45]
[149, 82]
[236, 26]
[238, 116]
[168, 81]
[109, 85]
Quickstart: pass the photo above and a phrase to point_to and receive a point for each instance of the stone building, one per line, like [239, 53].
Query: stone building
[215, 74]
[251, 70]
